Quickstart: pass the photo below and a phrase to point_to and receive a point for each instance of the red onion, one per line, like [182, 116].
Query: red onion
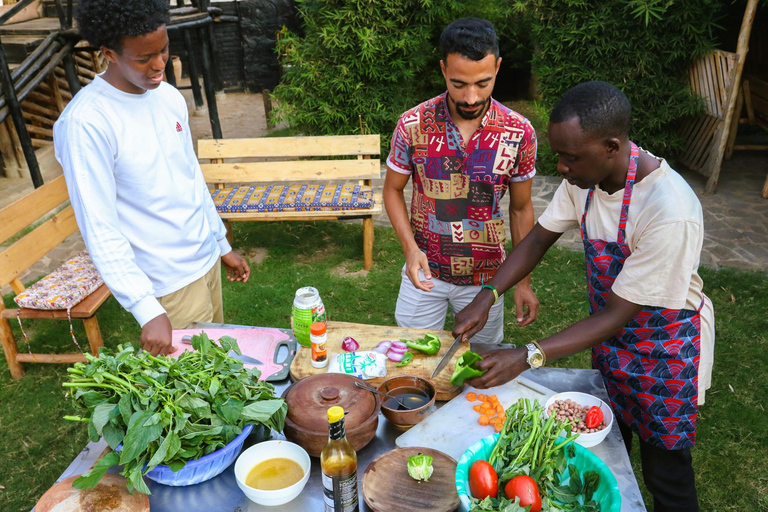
[399, 346]
[350, 344]
[380, 350]
[395, 356]
[385, 345]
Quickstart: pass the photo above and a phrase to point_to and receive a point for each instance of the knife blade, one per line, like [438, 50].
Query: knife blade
[447, 357]
[243, 358]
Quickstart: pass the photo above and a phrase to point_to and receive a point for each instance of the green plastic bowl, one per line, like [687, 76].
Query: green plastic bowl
[607, 493]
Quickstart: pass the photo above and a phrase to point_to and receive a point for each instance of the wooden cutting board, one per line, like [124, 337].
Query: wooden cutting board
[368, 336]
[387, 486]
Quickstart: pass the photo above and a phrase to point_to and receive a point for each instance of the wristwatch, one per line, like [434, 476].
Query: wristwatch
[535, 357]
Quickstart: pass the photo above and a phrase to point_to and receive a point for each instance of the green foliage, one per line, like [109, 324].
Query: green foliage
[644, 47]
[360, 64]
[357, 63]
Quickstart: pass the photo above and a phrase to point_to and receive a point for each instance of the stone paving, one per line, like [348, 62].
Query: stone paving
[735, 218]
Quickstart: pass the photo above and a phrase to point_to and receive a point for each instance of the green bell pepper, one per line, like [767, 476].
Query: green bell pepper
[429, 344]
[464, 368]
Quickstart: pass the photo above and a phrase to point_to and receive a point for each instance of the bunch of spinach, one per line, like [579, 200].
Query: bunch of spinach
[528, 445]
[167, 411]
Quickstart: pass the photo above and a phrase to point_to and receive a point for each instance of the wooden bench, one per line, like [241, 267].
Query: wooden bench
[231, 163]
[26, 251]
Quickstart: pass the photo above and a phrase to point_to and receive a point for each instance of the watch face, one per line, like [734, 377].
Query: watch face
[536, 360]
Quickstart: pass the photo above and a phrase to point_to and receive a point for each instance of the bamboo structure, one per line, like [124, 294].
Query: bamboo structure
[712, 78]
[742, 48]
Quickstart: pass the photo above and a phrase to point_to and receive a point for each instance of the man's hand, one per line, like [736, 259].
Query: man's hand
[526, 304]
[416, 260]
[156, 336]
[237, 267]
[471, 320]
[501, 366]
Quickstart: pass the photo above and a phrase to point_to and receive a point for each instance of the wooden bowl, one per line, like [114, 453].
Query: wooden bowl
[405, 419]
[309, 400]
[111, 493]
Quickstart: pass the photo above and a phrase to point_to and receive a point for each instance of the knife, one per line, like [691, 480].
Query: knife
[243, 358]
[447, 357]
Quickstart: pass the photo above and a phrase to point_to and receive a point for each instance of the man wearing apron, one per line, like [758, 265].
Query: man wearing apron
[650, 328]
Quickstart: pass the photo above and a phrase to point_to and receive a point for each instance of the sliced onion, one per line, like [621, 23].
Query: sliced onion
[350, 344]
[380, 350]
[395, 356]
[399, 346]
[385, 345]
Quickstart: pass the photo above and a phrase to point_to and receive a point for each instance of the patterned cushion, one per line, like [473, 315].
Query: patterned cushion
[63, 288]
[292, 198]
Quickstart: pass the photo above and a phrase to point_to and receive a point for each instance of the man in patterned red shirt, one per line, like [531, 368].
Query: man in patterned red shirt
[464, 150]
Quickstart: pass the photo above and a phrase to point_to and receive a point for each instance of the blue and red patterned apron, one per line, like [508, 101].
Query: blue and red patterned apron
[651, 366]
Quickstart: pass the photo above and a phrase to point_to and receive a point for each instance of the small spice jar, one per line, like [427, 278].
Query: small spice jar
[318, 338]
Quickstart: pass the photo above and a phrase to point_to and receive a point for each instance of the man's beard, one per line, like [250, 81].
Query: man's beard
[467, 115]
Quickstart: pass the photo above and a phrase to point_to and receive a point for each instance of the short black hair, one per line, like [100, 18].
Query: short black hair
[107, 22]
[603, 110]
[473, 38]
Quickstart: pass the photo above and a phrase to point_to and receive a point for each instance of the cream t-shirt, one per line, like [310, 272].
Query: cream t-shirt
[665, 233]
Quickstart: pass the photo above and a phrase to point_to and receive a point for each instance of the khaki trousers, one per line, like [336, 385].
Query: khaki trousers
[199, 301]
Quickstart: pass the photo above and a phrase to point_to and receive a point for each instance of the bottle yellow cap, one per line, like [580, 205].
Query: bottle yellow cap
[335, 414]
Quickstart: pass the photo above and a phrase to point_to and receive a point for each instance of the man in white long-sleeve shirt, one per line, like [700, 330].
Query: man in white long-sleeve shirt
[138, 193]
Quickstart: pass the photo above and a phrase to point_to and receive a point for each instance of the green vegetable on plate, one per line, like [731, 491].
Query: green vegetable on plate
[420, 467]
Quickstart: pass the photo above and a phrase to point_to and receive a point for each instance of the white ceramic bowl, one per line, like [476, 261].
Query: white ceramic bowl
[584, 399]
[271, 450]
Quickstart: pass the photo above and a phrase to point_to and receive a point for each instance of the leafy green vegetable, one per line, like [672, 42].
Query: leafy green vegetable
[529, 445]
[167, 411]
[420, 467]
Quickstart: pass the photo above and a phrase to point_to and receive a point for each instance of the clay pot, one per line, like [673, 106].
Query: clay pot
[309, 400]
[405, 419]
[110, 495]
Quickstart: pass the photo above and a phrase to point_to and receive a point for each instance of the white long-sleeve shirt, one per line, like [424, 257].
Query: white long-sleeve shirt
[138, 193]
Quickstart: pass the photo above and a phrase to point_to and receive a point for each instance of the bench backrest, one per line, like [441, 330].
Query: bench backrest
[280, 159]
[28, 249]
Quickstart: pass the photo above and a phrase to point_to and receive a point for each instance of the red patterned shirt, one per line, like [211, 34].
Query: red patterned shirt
[455, 209]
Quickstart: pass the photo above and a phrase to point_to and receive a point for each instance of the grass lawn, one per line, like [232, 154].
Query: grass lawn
[37, 444]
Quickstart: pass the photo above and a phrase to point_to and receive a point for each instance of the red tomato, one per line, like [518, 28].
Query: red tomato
[483, 480]
[594, 417]
[525, 488]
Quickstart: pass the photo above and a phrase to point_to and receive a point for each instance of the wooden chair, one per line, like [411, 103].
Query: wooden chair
[26, 251]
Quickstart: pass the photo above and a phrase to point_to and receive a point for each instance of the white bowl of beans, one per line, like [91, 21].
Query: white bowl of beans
[575, 407]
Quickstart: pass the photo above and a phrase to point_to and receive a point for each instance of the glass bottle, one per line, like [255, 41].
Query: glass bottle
[338, 463]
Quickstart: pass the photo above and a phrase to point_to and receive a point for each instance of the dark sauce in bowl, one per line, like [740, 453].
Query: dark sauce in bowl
[413, 398]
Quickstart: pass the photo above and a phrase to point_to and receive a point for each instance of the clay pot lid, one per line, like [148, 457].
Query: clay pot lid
[310, 398]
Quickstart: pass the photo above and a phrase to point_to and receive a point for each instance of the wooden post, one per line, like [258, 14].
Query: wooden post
[54, 85]
[741, 51]
[11, 167]
[368, 242]
[18, 121]
[210, 94]
[9, 347]
[71, 73]
[93, 333]
[192, 68]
